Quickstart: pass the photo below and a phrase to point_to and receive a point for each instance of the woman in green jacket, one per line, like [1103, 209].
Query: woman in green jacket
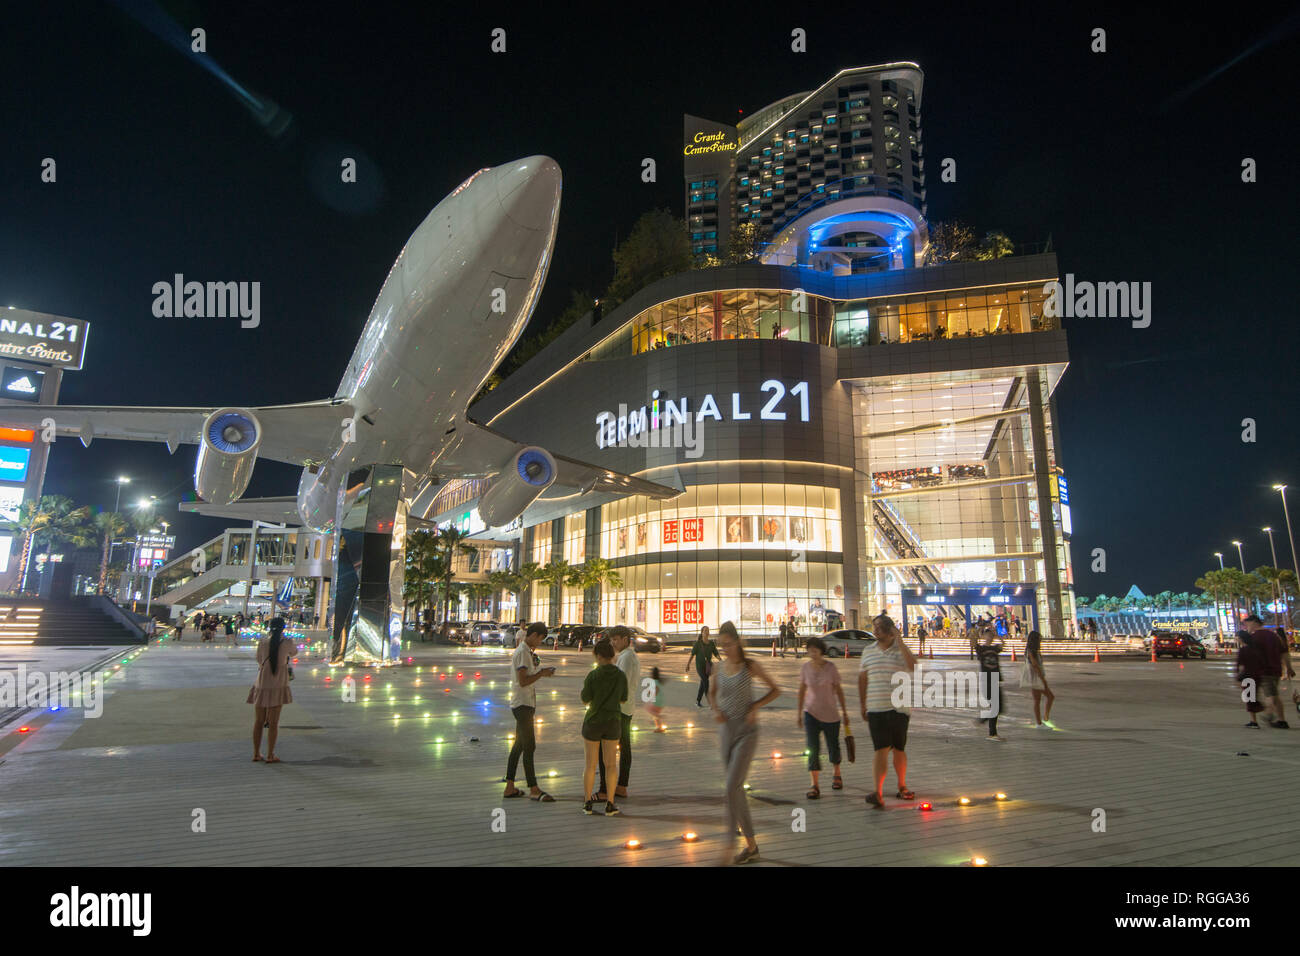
[603, 692]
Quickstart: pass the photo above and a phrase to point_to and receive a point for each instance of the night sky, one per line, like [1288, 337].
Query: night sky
[1129, 160]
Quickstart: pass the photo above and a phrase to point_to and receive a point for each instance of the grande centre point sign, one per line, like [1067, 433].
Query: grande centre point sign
[46, 339]
[776, 402]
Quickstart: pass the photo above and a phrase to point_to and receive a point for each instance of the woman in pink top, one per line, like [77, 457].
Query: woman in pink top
[821, 706]
[271, 691]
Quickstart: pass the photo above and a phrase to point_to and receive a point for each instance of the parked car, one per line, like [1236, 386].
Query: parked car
[643, 642]
[1177, 644]
[847, 638]
[458, 632]
[483, 633]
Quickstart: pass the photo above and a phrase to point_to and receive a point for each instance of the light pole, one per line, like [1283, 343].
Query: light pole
[1240, 556]
[1281, 489]
[117, 503]
[1273, 590]
[1219, 555]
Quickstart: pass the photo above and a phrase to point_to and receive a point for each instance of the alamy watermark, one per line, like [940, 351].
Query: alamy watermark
[1099, 300]
[209, 300]
[949, 689]
[70, 689]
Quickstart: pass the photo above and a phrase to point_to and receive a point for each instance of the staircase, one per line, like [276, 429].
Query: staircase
[76, 622]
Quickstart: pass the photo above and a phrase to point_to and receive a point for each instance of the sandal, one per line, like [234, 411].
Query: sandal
[511, 796]
[874, 800]
[272, 759]
[814, 793]
[542, 797]
[905, 794]
[837, 783]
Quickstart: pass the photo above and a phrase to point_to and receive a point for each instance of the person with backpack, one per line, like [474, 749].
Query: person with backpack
[991, 675]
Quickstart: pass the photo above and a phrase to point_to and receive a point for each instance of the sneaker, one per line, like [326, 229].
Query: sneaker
[611, 810]
[1281, 725]
[1254, 723]
[587, 808]
[996, 737]
[1049, 725]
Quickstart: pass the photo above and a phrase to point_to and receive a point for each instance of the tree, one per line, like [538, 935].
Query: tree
[450, 541]
[594, 573]
[657, 247]
[422, 567]
[994, 245]
[556, 574]
[950, 242]
[110, 524]
[745, 243]
[478, 592]
[54, 519]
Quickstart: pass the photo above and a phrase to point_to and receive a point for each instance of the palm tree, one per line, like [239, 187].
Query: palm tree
[450, 542]
[556, 574]
[478, 592]
[110, 524]
[421, 566]
[54, 518]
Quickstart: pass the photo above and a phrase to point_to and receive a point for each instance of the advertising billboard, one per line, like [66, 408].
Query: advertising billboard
[44, 339]
[21, 384]
[13, 463]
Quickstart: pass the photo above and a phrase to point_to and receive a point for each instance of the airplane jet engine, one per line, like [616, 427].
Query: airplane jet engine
[228, 444]
[529, 473]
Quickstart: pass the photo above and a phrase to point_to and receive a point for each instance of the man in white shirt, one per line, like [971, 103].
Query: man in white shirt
[527, 670]
[626, 661]
[888, 724]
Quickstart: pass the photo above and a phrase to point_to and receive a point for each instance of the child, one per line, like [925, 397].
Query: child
[657, 707]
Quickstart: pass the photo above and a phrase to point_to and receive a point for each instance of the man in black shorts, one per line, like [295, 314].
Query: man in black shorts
[887, 723]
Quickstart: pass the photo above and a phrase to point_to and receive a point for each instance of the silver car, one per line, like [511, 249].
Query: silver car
[837, 642]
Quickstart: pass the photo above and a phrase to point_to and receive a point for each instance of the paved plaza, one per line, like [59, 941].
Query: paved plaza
[411, 773]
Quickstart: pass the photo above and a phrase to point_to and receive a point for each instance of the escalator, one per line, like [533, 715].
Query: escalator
[899, 539]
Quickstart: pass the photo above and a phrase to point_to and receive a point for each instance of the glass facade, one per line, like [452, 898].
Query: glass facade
[887, 320]
[748, 552]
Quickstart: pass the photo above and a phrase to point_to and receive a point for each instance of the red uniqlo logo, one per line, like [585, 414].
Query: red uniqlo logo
[670, 532]
[693, 529]
[693, 612]
[670, 612]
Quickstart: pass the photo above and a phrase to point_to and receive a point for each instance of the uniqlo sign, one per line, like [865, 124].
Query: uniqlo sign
[693, 611]
[671, 532]
[670, 615]
[693, 529]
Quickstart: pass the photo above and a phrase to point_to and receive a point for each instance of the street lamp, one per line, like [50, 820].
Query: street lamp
[1281, 489]
[1271, 548]
[117, 503]
[1240, 557]
[1219, 555]
[1273, 589]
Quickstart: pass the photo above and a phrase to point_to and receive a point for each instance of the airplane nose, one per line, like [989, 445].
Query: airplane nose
[529, 191]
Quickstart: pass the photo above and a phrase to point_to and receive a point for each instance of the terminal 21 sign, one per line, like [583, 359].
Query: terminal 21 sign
[666, 423]
[43, 339]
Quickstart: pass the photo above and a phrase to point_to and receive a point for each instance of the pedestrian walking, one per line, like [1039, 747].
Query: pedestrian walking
[1250, 666]
[704, 652]
[991, 675]
[1275, 655]
[887, 723]
[817, 712]
[526, 670]
[626, 661]
[1038, 680]
[782, 637]
[603, 691]
[656, 709]
[180, 628]
[230, 630]
[734, 706]
[271, 691]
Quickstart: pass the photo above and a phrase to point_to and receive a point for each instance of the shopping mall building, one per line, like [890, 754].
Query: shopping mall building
[855, 430]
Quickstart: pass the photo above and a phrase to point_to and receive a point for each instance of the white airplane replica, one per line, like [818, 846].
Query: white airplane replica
[452, 306]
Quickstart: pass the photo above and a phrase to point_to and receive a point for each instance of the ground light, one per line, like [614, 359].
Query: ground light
[1000, 796]
[776, 755]
[632, 845]
[978, 861]
[690, 836]
[925, 806]
[964, 801]
[24, 730]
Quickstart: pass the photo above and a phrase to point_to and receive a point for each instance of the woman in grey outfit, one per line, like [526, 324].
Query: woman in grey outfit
[731, 696]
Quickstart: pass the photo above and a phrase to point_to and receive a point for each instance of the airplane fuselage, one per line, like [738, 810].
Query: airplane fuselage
[451, 308]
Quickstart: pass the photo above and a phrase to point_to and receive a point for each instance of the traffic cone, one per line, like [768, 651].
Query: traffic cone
[931, 652]
[1096, 654]
[1013, 652]
[774, 648]
[1153, 652]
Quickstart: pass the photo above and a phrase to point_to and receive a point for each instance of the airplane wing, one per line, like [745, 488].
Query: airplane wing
[282, 510]
[296, 434]
[482, 451]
